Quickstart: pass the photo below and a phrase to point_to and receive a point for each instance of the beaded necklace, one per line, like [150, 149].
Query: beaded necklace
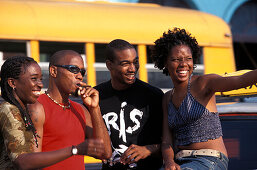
[63, 106]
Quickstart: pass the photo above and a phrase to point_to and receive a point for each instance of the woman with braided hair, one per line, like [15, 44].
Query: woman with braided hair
[21, 83]
[192, 134]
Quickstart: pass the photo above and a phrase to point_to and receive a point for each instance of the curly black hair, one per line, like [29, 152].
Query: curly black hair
[172, 38]
[13, 67]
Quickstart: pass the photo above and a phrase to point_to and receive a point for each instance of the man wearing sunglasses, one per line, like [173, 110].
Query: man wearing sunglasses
[132, 111]
[62, 123]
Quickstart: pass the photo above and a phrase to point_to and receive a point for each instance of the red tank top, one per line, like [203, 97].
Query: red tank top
[63, 128]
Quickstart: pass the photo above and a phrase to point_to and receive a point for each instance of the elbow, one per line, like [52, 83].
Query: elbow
[20, 165]
[22, 162]
[109, 155]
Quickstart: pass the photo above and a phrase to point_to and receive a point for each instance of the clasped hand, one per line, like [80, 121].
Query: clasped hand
[134, 153]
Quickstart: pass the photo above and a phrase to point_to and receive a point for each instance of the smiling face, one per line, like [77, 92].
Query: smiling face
[124, 68]
[29, 84]
[180, 63]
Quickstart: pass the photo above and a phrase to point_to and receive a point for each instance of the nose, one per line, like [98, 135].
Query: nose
[79, 76]
[132, 67]
[40, 84]
[182, 62]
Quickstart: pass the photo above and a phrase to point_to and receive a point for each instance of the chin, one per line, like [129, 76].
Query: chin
[75, 93]
[130, 81]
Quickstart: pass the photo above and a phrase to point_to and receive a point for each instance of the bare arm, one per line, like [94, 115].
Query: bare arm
[25, 158]
[37, 114]
[95, 124]
[217, 83]
[166, 147]
[38, 160]
[43, 159]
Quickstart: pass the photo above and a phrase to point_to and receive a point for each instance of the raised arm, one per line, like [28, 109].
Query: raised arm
[217, 83]
[95, 124]
[166, 146]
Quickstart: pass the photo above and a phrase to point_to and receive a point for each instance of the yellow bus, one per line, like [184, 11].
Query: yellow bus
[38, 28]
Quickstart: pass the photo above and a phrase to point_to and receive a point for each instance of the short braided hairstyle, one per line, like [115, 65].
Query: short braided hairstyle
[172, 38]
[12, 68]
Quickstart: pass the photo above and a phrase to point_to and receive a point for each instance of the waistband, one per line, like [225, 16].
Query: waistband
[199, 152]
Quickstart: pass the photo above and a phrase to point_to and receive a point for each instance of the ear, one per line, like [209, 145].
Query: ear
[53, 71]
[108, 64]
[11, 82]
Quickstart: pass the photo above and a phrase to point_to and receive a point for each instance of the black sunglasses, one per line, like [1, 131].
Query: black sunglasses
[74, 69]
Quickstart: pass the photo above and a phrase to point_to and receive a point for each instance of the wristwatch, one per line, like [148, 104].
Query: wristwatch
[74, 150]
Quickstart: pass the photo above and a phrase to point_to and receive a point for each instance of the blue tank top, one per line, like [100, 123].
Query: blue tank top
[192, 122]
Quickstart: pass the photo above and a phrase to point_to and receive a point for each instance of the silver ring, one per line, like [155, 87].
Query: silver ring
[95, 149]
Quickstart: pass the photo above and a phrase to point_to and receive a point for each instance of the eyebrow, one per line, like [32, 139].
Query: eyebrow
[124, 61]
[36, 74]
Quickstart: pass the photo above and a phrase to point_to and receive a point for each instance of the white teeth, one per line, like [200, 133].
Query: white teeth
[36, 92]
[130, 76]
[182, 72]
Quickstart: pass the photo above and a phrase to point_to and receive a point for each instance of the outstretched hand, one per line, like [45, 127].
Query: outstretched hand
[89, 95]
[92, 147]
[134, 153]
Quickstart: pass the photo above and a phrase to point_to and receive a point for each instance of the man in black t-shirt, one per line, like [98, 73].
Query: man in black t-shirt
[132, 111]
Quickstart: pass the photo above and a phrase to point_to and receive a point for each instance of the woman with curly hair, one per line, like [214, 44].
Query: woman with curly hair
[192, 133]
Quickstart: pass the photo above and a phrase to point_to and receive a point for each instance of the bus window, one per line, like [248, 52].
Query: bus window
[100, 53]
[102, 73]
[12, 48]
[199, 64]
[49, 48]
[155, 76]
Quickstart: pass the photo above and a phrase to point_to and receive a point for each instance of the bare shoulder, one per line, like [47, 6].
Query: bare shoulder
[201, 81]
[37, 112]
[205, 77]
[35, 106]
[204, 85]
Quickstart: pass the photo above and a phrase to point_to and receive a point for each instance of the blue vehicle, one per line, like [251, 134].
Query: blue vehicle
[239, 123]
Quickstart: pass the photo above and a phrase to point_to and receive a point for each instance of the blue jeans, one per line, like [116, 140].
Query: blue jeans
[203, 162]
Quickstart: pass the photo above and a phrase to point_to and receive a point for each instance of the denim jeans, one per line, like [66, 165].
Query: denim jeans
[203, 163]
